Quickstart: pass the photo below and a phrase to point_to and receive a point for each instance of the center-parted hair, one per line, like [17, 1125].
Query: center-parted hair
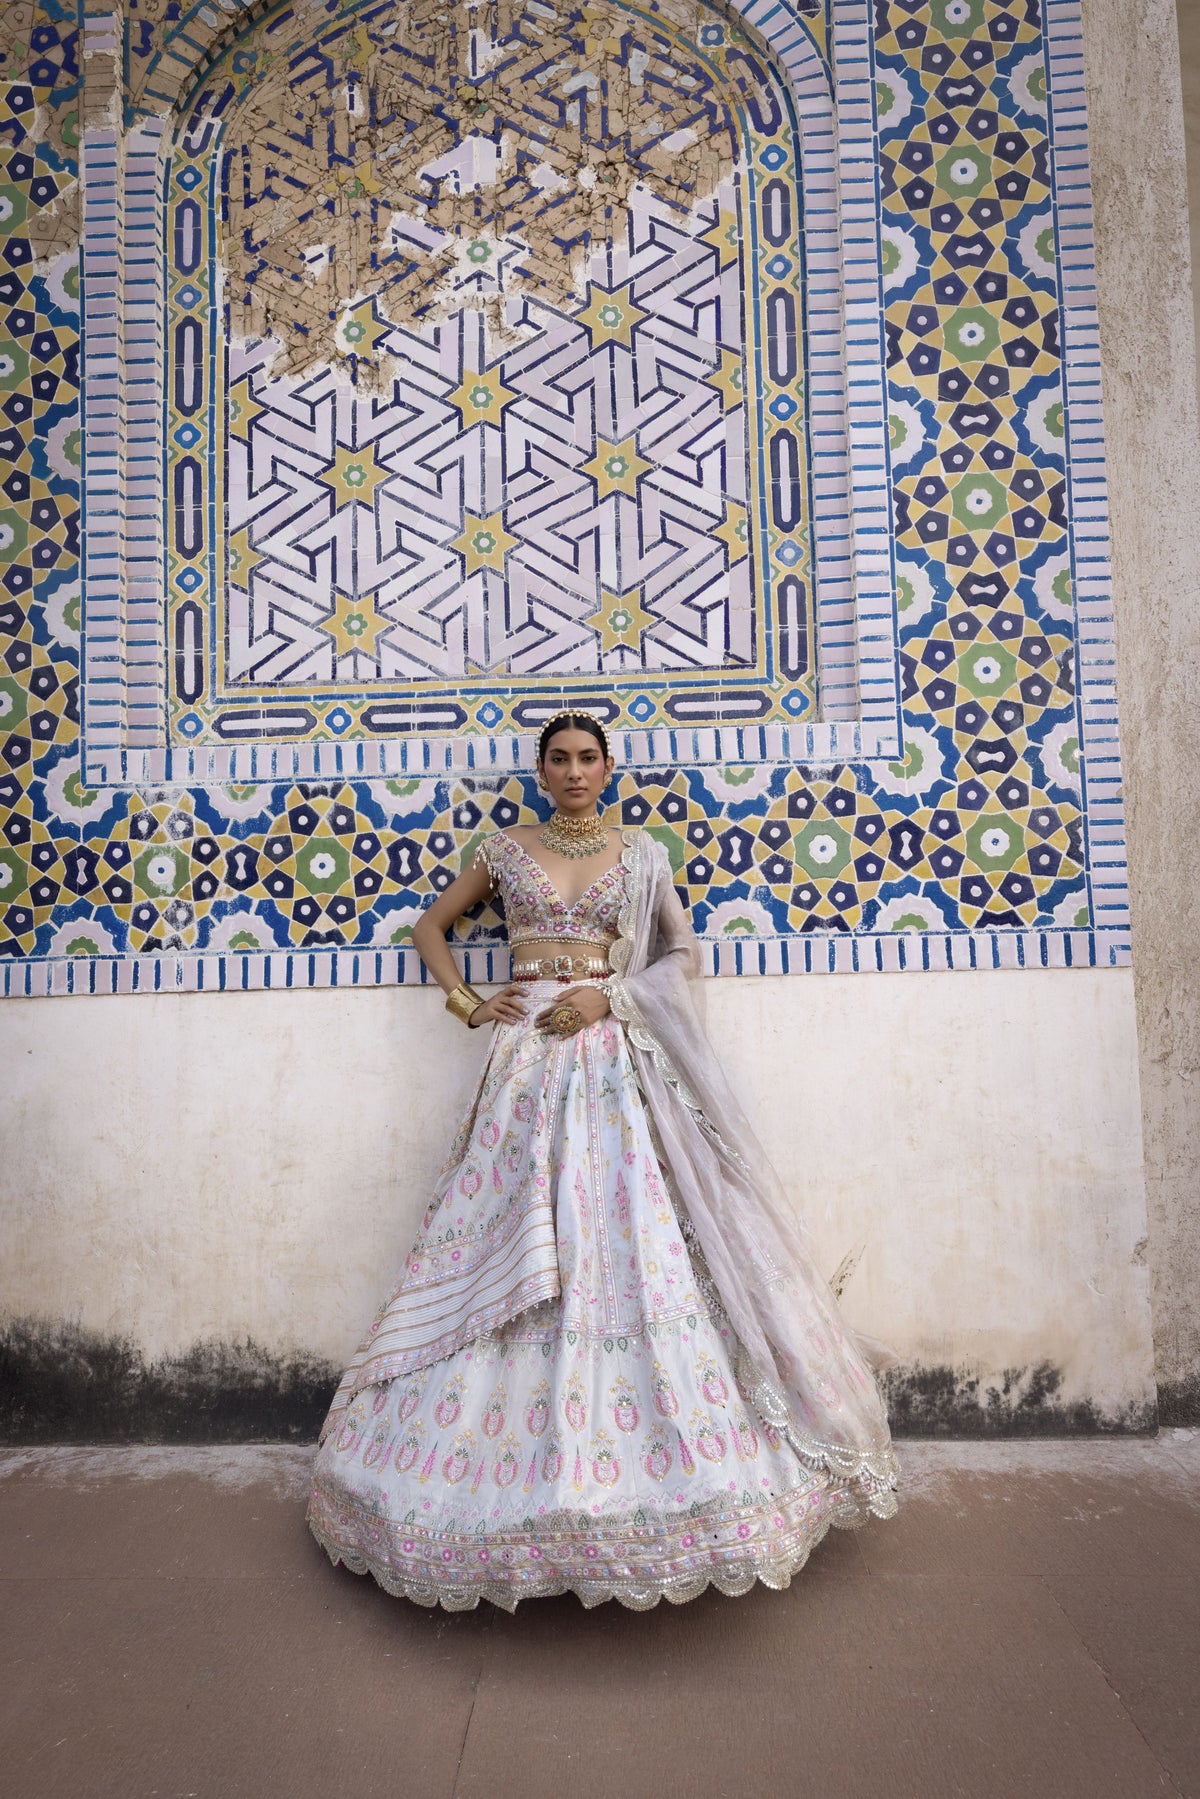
[571, 721]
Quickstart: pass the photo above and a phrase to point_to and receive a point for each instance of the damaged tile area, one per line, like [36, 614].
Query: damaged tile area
[408, 153]
[494, 414]
[39, 104]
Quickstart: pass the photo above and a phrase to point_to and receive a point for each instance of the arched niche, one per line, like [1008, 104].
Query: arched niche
[212, 683]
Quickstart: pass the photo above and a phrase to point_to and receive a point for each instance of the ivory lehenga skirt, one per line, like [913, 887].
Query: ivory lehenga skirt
[597, 1443]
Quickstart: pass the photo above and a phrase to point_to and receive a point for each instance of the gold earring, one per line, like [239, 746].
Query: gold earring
[543, 783]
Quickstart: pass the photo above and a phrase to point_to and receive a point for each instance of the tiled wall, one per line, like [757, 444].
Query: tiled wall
[865, 747]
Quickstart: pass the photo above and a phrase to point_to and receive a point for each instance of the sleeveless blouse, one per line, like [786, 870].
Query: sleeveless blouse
[535, 911]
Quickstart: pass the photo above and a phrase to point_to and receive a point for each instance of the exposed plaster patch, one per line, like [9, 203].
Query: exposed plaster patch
[53, 126]
[465, 157]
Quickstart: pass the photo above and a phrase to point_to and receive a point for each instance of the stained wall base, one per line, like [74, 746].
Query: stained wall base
[205, 1197]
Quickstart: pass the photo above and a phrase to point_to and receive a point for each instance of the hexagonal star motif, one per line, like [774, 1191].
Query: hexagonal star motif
[484, 262]
[243, 557]
[355, 474]
[359, 182]
[481, 399]
[243, 408]
[359, 330]
[620, 621]
[616, 467]
[355, 625]
[483, 542]
[734, 532]
[729, 377]
[610, 315]
[724, 237]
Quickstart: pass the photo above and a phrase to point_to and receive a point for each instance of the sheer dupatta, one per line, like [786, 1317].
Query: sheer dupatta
[805, 1371]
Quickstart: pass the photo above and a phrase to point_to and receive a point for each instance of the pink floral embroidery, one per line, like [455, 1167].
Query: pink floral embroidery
[575, 1403]
[458, 1462]
[494, 1412]
[623, 1400]
[449, 1405]
[564, 1402]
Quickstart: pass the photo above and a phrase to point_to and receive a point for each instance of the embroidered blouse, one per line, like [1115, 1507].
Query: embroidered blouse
[535, 911]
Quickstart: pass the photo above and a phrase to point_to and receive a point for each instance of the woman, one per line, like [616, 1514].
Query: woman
[609, 1366]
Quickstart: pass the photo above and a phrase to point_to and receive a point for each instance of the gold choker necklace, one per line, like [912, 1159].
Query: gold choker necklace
[575, 837]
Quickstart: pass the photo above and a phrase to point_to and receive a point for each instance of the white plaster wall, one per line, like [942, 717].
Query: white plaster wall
[182, 1168]
[1148, 341]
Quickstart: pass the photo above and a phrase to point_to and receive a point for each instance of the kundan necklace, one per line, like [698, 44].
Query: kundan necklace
[575, 837]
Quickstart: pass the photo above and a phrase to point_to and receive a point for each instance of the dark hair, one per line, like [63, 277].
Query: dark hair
[571, 721]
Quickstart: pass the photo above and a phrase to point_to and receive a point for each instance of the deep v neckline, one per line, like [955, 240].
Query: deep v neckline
[567, 905]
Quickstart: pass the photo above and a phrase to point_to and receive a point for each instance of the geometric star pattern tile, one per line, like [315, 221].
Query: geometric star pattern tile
[473, 522]
[979, 827]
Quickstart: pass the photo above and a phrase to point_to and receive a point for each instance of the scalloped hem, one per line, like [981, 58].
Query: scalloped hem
[634, 1596]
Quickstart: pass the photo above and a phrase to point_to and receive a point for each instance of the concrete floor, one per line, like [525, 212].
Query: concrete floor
[1029, 1625]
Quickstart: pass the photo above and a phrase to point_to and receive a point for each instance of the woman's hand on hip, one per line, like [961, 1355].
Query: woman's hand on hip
[591, 1003]
[505, 1007]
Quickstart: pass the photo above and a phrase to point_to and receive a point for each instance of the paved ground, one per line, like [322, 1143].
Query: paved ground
[1029, 1625]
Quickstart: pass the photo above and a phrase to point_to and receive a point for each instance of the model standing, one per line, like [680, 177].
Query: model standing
[609, 1366]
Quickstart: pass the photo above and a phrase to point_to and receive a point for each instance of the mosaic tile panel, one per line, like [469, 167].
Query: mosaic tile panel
[799, 388]
[994, 839]
[564, 487]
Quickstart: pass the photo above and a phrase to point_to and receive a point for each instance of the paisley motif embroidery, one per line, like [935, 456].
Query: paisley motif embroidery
[507, 1464]
[538, 1415]
[408, 1449]
[378, 1448]
[606, 1468]
[411, 1395]
[656, 1458]
[494, 1413]
[666, 1401]
[450, 1404]
[712, 1381]
[575, 1403]
[708, 1439]
[458, 1463]
[623, 1401]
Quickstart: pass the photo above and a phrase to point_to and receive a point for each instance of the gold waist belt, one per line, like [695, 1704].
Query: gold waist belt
[561, 968]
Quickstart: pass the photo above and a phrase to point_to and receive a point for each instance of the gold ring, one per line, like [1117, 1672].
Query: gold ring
[566, 1020]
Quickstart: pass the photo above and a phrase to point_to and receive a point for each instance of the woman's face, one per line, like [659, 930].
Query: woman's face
[575, 769]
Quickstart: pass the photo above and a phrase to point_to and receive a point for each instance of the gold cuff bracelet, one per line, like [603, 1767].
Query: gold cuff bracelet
[464, 1002]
